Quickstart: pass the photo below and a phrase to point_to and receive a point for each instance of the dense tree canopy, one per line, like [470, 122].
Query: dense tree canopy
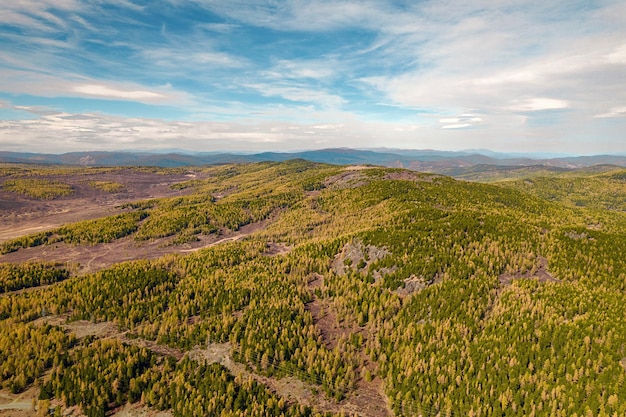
[460, 298]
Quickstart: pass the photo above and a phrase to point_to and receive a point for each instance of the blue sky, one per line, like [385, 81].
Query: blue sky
[207, 75]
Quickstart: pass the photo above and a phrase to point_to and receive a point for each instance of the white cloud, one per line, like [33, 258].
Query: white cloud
[64, 85]
[298, 92]
[317, 69]
[185, 57]
[219, 27]
[58, 132]
[617, 56]
[614, 112]
[315, 15]
[507, 61]
[457, 126]
[463, 121]
[538, 103]
[108, 92]
[508, 58]
[36, 15]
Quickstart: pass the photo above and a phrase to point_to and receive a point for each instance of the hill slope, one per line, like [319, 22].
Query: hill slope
[463, 164]
[375, 291]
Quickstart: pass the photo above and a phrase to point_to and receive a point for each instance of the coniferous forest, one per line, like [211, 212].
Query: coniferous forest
[370, 291]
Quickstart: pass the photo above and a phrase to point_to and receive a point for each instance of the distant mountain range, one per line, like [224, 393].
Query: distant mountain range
[444, 162]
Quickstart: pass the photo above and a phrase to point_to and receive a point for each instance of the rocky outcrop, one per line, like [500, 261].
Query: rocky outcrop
[355, 256]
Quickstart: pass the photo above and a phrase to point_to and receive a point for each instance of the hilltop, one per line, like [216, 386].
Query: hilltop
[301, 288]
[470, 164]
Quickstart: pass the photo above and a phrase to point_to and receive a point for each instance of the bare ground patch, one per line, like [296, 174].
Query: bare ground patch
[290, 388]
[315, 281]
[324, 316]
[356, 256]
[541, 274]
[224, 236]
[83, 259]
[21, 215]
[18, 405]
[88, 259]
[274, 249]
[412, 285]
[326, 322]
[350, 178]
[410, 176]
[140, 410]
[368, 400]
[108, 330]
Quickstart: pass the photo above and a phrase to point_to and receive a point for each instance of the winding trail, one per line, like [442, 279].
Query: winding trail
[101, 255]
[217, 242]
[17, 405]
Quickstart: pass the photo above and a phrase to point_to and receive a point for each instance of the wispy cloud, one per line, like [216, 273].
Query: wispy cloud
[36, 15]
[300, 93]
[538, 103]
[57, 132]
[530, 72]
[317, 69]
[614, 112]
[463, 121]
[177, 58]
[101, 132]
[617, 56]
[23, 82]
[315, 15]
[104, 91]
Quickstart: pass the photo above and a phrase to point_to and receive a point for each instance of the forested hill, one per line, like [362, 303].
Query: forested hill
[472, 164]
[326, 289]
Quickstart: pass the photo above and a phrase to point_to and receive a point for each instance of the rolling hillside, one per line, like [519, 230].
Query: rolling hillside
[471, 164]
[305, 289]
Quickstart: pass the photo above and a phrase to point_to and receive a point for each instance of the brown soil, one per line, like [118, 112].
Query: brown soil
[506, 279]
[107, 330]
[368, 398]
[88, 259]
[18, 405]
[324, 316]
[326, 322]
[315, 281]
[138, 410]
[274, 249]
[350, 178]
[410, 176]
[22, 215]
[541, 274]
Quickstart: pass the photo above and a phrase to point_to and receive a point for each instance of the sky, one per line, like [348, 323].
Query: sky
[214, 75]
